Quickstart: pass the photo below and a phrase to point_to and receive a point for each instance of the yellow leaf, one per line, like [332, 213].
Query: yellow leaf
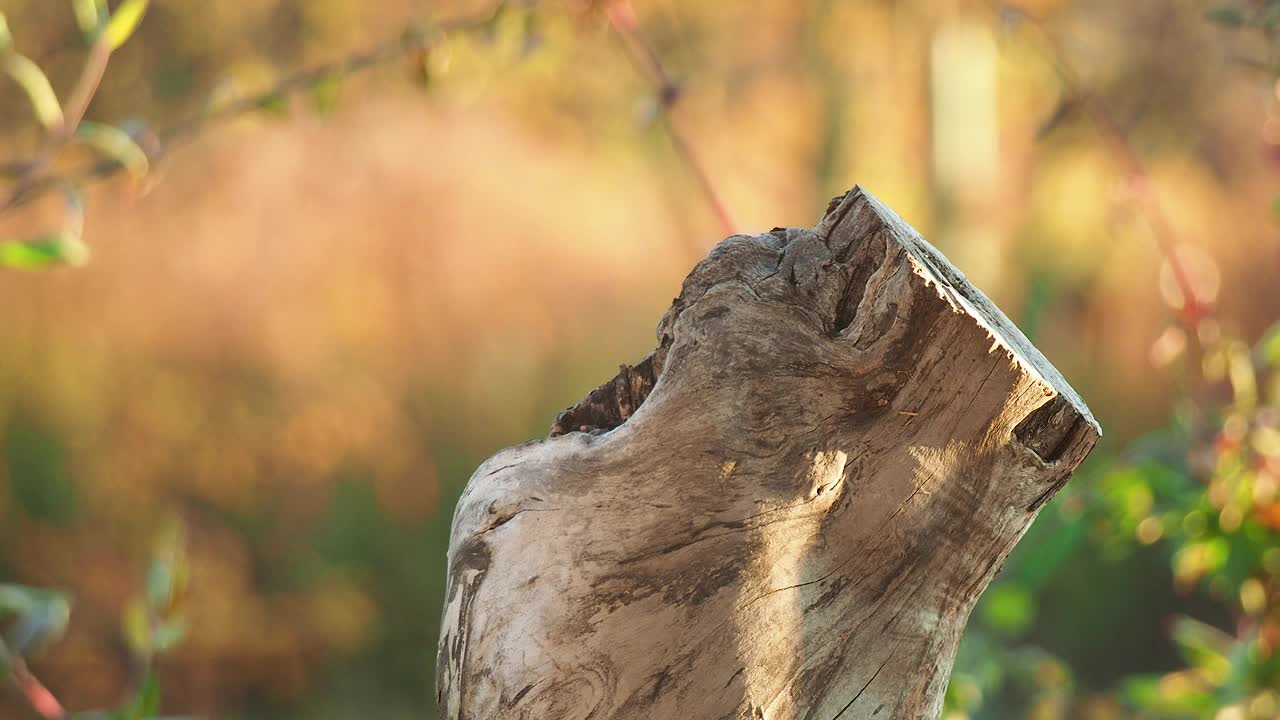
[124, 22]
[137, 627]
[88, 13]
[33, 81]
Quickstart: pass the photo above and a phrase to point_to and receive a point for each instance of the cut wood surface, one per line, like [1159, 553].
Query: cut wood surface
[786, 511]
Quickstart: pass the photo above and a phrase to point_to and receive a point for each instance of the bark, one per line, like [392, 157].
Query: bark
[786, 511]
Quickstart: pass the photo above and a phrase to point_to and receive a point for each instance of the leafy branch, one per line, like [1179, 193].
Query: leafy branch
[119, 150]
[107, 32]
[153, 624]
[42, 616]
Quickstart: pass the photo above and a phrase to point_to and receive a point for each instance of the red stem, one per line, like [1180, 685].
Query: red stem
[622, 17]
[37, 695]
[1139, 179]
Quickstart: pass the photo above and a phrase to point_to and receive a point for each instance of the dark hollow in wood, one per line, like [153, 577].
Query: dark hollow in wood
[609, 405]
[786, 511]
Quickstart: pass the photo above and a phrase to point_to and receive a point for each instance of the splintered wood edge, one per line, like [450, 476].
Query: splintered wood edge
[613, 402]
[955, 288]
[1060, 430]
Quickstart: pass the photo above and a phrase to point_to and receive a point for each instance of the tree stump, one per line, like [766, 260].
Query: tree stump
[786, 511]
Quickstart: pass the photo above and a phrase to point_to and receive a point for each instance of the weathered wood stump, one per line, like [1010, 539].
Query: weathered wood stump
[787, 510]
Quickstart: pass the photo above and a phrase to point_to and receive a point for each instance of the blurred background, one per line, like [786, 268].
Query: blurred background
[305, 326]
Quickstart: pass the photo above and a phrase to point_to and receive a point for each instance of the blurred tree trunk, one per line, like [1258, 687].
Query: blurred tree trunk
[787, 510]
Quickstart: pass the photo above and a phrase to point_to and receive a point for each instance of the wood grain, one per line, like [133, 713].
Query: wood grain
[786, 511]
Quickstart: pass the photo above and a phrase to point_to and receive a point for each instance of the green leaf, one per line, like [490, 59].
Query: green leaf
[1195, 560]
[963, 692]
[275, 104]
[17, 599]
[57, 248]
[116, 144]
[1225, 16]
[124, 22]
[1205, 647]
[42, 485]
[1269, 346]
[325, 93]
[167, 573]
[167, 635]
[42, 615]
[159, 584]
[1167, 700]
[147, 702]
[36, 85]
[1008, 608]
[43, 624]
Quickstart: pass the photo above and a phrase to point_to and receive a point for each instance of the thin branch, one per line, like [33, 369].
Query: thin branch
[86, 87]
[1139, 178]
[34, 182]
[414, 40]
[641, 52]
[77, 104]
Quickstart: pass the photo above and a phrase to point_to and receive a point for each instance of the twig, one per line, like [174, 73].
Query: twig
[622, 17]
[77, 104]
[414, 40]
[1193, 311]
[411, 41]
[34, 181]
[1139, 178]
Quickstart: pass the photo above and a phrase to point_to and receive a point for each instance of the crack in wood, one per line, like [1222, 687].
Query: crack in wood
[708, 526]
[875, 675]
